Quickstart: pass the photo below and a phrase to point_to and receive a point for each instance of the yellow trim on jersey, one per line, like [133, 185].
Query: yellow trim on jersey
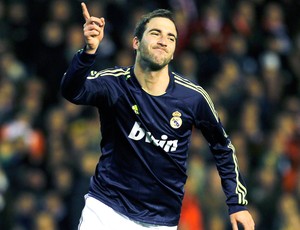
[240, 189]
[197, 88]
[108, 72]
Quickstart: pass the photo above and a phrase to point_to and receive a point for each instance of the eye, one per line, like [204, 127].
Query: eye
[155, 33]
[172, 39]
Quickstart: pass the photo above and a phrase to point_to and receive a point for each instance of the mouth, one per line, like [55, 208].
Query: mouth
[161, 49]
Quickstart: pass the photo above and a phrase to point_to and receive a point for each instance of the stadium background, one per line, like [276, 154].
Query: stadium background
[246, 54]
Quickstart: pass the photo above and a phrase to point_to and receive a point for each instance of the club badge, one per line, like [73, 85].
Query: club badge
[176, 120]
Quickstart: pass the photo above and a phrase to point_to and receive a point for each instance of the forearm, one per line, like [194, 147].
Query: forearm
[72, 83]
[231, 179]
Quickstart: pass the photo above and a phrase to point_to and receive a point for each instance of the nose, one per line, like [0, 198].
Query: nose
[162, 41]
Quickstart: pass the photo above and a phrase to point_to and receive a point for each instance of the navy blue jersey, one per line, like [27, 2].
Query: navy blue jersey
[142, 169]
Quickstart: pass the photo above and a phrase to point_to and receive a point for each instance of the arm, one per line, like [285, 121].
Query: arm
[73, 85]
[226, 162]
[232, 183]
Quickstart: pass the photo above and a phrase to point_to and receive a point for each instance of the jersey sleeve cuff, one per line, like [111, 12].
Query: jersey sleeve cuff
[236, 208]
[85, 57]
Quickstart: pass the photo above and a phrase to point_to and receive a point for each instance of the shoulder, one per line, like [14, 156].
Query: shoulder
[193, 94]
[187, 86]
[109, 72]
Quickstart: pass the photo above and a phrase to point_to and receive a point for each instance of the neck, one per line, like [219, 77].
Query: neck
[152, 82]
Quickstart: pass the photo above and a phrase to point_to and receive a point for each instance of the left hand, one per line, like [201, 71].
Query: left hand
[244, 218]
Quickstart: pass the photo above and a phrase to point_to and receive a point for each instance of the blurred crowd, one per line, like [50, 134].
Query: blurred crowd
[245, 53]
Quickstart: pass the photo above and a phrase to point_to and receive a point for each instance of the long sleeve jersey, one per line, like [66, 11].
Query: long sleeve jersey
[145, 140]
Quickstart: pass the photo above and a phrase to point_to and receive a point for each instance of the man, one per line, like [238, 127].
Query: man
[147, 114]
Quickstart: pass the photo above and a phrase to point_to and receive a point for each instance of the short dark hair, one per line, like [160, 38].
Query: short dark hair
[141, 25]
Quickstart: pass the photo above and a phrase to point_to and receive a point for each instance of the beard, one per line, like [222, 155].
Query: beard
[153, 60]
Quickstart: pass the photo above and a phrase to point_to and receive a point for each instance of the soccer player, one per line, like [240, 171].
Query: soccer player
[147, 114]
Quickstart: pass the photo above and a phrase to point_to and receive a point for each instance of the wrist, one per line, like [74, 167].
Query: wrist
[89, 50]
[236, 208]
[86, 58]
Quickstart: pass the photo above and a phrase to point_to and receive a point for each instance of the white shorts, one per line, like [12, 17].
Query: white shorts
[98, 216]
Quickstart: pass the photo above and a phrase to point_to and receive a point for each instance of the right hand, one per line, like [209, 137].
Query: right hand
[93, 30]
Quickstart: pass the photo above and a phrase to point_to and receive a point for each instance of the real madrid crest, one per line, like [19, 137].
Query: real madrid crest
[176, 120]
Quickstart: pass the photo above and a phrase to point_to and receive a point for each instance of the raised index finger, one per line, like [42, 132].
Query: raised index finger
[85, 11]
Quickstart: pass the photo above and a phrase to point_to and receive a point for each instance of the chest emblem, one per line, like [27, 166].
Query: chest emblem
[176, 120]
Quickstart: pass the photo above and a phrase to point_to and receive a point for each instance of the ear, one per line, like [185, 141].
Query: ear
[135, 43]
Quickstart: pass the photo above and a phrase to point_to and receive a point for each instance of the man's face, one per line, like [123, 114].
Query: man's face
[157, 46]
